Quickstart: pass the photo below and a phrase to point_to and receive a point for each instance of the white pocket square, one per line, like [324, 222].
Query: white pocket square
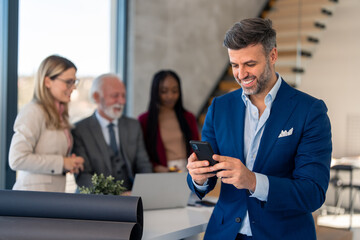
[285, 133]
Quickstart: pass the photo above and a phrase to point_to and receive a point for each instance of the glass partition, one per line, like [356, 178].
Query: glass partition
[78, 30]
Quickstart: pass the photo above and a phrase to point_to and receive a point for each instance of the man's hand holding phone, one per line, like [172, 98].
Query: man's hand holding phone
[203, 164]
[203, 151]
[200, 161]
[199, 169]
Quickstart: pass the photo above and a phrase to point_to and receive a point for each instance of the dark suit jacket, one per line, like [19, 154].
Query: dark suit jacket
[297, 166]
[89, 143]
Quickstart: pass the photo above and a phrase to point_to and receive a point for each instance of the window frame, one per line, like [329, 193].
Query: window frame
[8, 79]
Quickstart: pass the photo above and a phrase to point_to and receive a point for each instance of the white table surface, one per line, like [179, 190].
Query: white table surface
[177, 223]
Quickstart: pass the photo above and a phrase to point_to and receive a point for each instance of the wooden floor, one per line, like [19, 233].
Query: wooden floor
[335, 227]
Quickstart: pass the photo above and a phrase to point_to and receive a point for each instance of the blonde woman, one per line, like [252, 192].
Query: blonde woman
[41, 145]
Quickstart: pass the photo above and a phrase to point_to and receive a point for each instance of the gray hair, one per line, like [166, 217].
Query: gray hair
[98, 83]
[251, 31]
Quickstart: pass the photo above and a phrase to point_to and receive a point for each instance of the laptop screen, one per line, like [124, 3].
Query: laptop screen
[161, 190]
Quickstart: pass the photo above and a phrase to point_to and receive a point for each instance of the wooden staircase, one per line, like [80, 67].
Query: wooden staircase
[299, 24]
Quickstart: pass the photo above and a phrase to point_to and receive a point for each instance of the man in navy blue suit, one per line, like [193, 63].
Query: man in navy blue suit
[273, 145]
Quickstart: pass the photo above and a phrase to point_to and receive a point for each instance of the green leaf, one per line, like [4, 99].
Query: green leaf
[105, 186]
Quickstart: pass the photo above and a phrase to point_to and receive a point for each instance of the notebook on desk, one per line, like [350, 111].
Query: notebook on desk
[161, 190]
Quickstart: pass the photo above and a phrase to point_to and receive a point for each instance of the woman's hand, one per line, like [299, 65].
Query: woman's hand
[160, 168]
[74, 164]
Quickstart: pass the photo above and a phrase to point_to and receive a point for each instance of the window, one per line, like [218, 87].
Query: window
[91, 33]
[78, 30]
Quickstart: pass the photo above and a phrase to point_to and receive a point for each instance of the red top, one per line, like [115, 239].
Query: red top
[160, 149]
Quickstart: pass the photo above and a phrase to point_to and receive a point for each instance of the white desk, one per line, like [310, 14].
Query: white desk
[177, 223]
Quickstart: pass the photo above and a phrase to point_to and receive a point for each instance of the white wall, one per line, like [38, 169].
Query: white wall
[185, 36]
[333, 75]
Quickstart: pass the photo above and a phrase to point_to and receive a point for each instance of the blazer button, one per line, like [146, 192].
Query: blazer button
[237, 219]
[52, 171]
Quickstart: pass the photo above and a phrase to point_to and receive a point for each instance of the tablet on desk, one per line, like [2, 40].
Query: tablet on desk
[161, 190]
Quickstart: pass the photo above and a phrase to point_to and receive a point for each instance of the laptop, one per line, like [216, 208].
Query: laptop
[161, 190]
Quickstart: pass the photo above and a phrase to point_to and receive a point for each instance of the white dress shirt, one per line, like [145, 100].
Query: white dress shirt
[104, 123]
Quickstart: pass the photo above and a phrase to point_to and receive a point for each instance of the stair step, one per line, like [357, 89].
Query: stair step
[229, 71]
[291, 60]
[288, 70]
[294, 22]
[293, 53]
[306, 48]
[287, 3]
[314, 13]
[294, 26]
[210, 100]
[201, 119]
[227, 86]
[303, 6]
[292, 40]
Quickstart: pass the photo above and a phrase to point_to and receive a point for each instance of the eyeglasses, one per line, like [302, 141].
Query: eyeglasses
[70, 82]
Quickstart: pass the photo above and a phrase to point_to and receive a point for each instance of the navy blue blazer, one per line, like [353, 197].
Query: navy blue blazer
[297, 165]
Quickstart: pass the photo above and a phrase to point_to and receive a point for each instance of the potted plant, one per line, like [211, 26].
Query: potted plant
[104, 186]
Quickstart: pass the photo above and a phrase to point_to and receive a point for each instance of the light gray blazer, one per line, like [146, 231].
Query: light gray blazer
[89, 143]
[36, 153]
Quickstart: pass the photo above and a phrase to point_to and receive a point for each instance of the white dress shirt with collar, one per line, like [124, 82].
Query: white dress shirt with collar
[105, 129]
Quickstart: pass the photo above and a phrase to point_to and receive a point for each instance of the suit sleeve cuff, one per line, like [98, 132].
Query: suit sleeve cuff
[201, 188]
[262, 187]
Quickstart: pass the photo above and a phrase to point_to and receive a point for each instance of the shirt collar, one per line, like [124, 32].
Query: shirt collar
[270, 96]
[103, 121]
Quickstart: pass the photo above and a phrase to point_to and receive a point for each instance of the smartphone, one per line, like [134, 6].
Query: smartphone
[203, 151]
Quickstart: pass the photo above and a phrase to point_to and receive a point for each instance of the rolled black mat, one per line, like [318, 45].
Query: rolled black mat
[27, 228]
[110, 210]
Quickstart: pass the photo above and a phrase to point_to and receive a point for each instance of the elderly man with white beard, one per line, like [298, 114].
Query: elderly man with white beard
[110, 142]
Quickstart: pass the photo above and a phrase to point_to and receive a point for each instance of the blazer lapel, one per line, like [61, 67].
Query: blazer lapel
[96, 131]
[281, 111]
[229, 125]
[238, 130]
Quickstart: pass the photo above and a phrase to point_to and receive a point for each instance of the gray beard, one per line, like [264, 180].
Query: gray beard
[262, 82]
[111, 114]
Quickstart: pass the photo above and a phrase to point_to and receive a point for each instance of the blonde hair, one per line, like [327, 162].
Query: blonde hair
[51, 67]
